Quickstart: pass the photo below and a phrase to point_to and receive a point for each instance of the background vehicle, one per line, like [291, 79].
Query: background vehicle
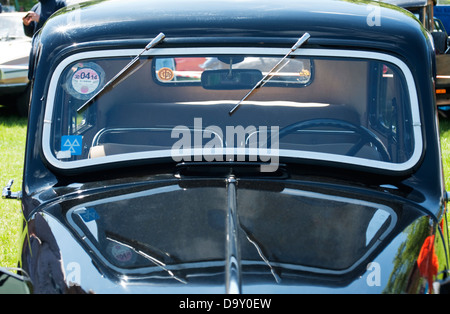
[424, 11]
[442, 12]
[14, 54]
[193, 149]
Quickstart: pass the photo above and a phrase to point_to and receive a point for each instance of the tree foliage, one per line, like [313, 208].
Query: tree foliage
[20, 5]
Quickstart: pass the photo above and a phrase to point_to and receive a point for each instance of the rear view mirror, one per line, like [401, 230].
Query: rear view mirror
[11, 283]
[230, 79]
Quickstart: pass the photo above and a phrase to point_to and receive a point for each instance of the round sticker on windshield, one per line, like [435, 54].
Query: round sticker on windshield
[84, 79]
[165, 74]
[122, 255]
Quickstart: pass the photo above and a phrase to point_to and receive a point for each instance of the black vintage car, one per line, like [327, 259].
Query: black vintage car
[233, 147]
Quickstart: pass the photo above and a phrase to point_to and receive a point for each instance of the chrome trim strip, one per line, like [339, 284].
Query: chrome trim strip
[13, 85]
[233, 274]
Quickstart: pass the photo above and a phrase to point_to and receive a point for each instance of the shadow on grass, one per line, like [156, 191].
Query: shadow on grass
[10, 118]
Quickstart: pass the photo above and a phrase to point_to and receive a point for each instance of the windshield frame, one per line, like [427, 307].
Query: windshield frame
[158, 156]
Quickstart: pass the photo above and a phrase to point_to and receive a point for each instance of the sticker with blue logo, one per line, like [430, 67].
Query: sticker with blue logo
[89, 214]
[72, 144]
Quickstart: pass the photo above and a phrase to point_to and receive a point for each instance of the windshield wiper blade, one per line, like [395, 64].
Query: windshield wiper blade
[264, 80]
[150, 45]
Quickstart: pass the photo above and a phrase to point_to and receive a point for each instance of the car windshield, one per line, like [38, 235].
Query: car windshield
[11, 27]
[345, 107]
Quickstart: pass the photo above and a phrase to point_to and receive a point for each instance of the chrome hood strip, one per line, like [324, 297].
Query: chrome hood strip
[233, 272]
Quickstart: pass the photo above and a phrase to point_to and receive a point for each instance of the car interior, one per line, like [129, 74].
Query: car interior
[327, 114]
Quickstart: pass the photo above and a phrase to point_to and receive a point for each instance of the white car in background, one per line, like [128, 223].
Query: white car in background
[14, 55]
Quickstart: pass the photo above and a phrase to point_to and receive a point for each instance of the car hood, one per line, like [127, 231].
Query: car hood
[15, 52]
[174, 236]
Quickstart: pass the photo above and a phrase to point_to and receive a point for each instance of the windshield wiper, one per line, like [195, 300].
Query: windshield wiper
[151, 45]
[265, 79]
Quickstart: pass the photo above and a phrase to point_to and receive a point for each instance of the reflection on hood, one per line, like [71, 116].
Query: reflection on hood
[170, 231]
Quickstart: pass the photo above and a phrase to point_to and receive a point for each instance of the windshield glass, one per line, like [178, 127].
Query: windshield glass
[344, 109]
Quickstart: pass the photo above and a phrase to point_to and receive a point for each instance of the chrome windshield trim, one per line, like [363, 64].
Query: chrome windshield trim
[167, 154]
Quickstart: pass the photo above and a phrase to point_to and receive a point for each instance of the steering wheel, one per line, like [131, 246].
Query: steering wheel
[366, 136]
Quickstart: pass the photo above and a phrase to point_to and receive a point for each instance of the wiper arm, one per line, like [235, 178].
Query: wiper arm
[151, 45]
[264, 80]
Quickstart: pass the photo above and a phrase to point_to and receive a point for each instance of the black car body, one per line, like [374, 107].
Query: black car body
[152, 181]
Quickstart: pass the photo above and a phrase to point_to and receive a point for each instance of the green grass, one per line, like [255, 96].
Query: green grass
[12, 149]
[445, 145]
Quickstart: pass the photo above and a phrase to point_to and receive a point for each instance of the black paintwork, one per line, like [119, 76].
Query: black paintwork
[417, 197]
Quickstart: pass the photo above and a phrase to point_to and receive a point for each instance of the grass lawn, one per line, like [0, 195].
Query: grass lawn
[12, 147]
[445, 144]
